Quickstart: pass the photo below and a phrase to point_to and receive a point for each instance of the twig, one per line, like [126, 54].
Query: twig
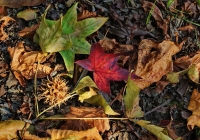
[156, 108]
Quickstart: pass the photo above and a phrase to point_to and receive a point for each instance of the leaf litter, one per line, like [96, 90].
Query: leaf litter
[156, 63]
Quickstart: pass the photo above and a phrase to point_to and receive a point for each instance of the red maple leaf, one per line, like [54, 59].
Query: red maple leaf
[104, 67]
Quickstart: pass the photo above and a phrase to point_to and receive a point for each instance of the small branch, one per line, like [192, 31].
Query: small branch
[156, 108]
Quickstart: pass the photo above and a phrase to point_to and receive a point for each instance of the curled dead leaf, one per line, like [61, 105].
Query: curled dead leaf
[188, 28]
[110, 45]
[194, 106]
[28, 31]
[86, 14]
[25, 64]
[154, 61]
[84, 124]
[5, 21]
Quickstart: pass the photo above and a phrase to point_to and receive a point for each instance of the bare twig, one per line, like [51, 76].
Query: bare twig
[156, 108]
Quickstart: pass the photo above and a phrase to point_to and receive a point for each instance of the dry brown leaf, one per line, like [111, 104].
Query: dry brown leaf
[188, 28]
[24, 64]
[5, 21]
[19, 3]
[3, 11]
[160, 85]
[84, 124]
[194, 106]
[86, 14]
[186, 61]
[113, 47]
[190, 7]
[28, 31]
[183, 62]
[156, 13]
[154, 61]
[2, 90]
[3, 69]
[90, 134]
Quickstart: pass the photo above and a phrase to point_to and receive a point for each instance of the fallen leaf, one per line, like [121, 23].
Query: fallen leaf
[3, 11]
[104, 67]
[28, 14]
[156, 13]
[194, 106]
[2, 90]
[193, 73]
[3, 69]
[131, 100]
[160, 85]
[84, 124]
[111, 46]
[5, 21]
[28, 31]
[91, 96]
[20, 3]
[154, 61]
[68, 35]
[188, 28]
[189, 7]
[24, 108]
[90, 134]
[8, 129]
[86, 14]
[157, 131]
[24, 64]
[183, 62]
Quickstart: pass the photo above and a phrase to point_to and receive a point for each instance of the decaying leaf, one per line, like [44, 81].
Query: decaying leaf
[154, 61]
[84, 124]
[131, 100]
[55, 90]
[104, 67]
[86, 14]
[188, 28]
[156, 13]
[3, 11]
[24, 64]
[189, 7]
[28, 14]
[8, 129]
[28, 31]
[91, 96]
[193, 73]
[157, 131]
[5, 21]
[19, 3]
[194, 106]
[111, 46]
[90, 134]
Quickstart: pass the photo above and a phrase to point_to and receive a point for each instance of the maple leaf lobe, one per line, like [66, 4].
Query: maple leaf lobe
[104, 67]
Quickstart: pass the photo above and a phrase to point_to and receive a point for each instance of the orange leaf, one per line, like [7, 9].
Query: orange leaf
[84, 124]
[194, 106]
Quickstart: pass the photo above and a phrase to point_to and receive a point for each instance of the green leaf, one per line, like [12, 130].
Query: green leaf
[99, 100]
[193, 73]
[67, 35]
[131, 100]
[49, 36]
[169, 2]
[157, 131]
